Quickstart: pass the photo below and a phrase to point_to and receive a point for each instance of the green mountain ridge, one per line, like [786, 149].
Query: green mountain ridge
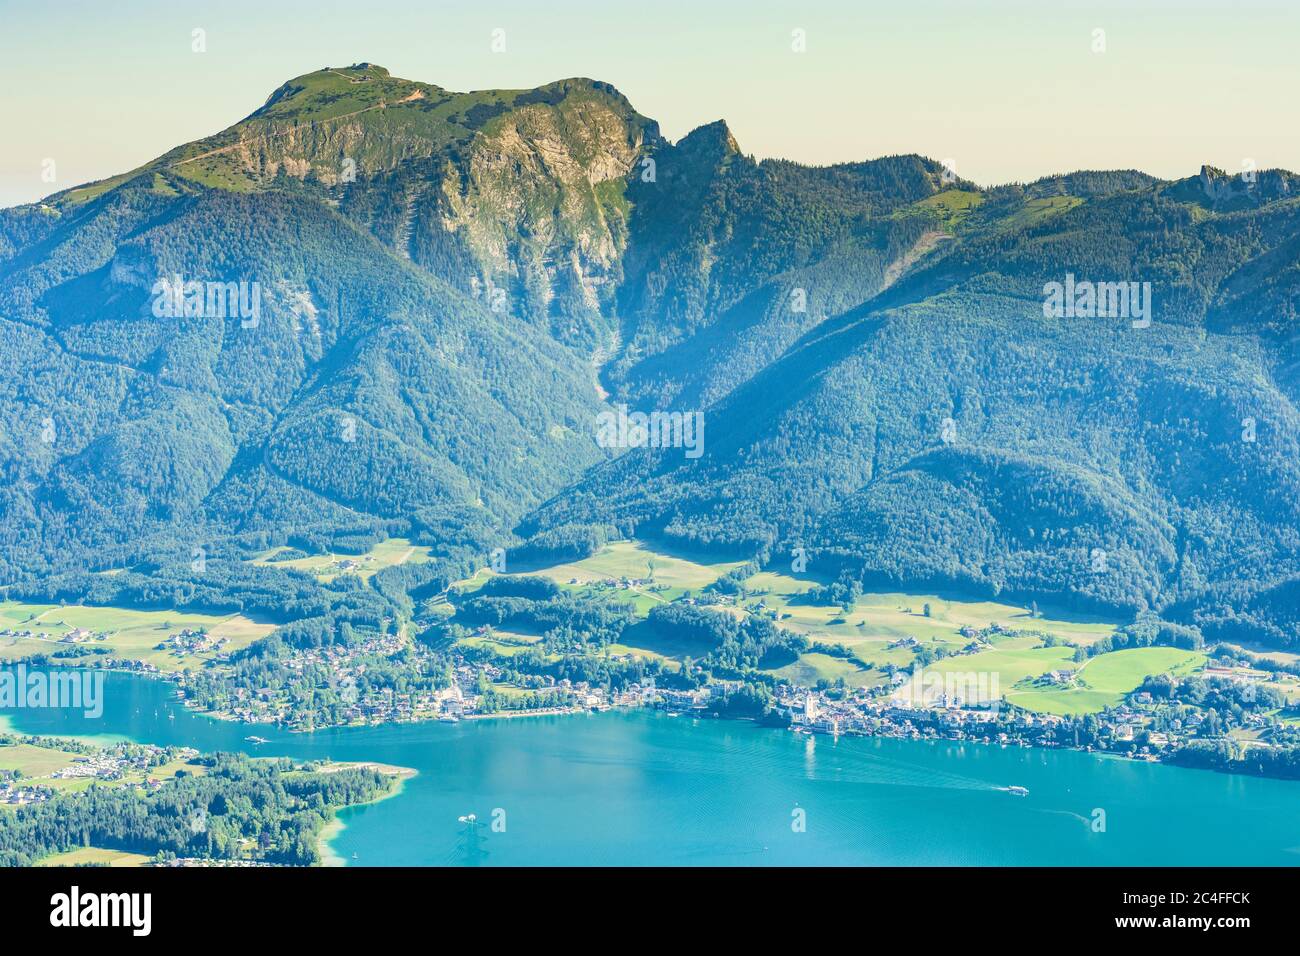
[454, 285]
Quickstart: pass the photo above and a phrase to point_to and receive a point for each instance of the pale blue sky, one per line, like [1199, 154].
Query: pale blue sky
[1010, 90]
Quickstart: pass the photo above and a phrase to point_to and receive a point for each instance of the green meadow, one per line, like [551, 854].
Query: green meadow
[950, 206]
[1103, 681]
[1035, 211]
[328, 566]
[30, 761]
[1010, 664]
[131, 634]
[881, 629]
[879, 620]
[96, 856]
[642, 641]
[811, 668]
[671, 573]
[503, 642]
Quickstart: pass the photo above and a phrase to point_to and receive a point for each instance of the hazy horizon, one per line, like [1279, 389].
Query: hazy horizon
[872, 80]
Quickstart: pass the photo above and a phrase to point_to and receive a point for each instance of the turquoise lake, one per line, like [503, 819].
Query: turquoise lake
[644, 788]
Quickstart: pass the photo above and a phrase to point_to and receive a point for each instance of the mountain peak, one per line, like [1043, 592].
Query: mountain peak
[319, 94]
[712, 138]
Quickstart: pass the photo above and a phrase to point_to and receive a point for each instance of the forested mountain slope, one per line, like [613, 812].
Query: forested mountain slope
[947, 432]
[451, 287]
[375, 383]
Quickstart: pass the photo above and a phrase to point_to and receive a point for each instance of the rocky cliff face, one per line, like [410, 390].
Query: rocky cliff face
[537, 202]
[514, 197]
[1250, 186]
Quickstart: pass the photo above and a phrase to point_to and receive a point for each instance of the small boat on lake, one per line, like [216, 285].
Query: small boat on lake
[1017, 791]
[255, 740]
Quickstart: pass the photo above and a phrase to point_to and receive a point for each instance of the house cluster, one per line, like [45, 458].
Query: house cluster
[116, 763]
[621, 584]
[113, 764]
[878, 712]
[1060, 678]
[700, 700]
[25, 632]
[127, 664]
[80, 635]
[193, 641]
[985, 634]
[14, 795]
[98, 767]
[1139, 726]
[636, 695]
[350, 565]
[1239, 672]
[77, 635]
[209, 863]
[357, 702]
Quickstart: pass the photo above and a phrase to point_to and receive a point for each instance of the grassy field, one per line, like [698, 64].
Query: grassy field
[950, 206]
[1035, 211]
[881, 619]
[326, 567]
[1105, 680]
[878, 622]
[878, 630]
[1004, 667]
[642, 639]
[1100, 682]
[95, 856]
[645, 653]
[505, 643]
[31, 761]
[813, 667]
[671, 572]
[881, 629]
[131, 634]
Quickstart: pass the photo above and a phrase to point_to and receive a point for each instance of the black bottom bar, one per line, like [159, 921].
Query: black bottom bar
[944, 906]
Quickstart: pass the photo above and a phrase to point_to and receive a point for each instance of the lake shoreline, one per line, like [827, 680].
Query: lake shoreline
[335, 826]
[6, 725]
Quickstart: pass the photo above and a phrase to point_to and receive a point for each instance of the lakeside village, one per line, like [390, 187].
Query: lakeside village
[1143, 726]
